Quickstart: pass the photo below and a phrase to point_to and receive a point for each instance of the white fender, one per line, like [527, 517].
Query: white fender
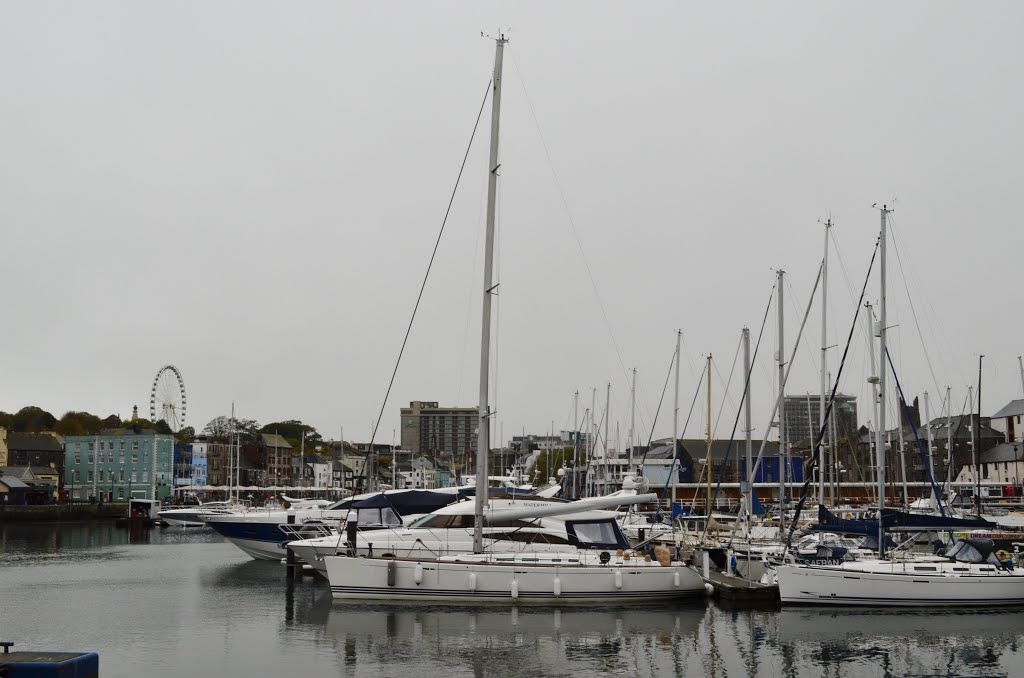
[558, 587]
[618, 579]
[417, 573]
[515, 589]
[472, 581]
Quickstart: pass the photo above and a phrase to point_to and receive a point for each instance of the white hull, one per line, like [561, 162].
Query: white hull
[520, 583]
[903, 585]
[260, 550]
[183, 522]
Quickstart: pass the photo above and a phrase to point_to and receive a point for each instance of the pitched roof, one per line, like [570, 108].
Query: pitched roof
[1005, 452]
[33, 442]
[12, 483]
[1011, 409]
[274, 440]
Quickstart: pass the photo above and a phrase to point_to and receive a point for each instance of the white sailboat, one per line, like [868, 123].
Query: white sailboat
[968, 575]
[569, 576]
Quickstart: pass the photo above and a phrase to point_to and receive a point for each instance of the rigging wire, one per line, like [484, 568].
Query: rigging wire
[430, 264]
[725, 386]
[571, 221]
[813, 462]
[913, 311]
[746, 394]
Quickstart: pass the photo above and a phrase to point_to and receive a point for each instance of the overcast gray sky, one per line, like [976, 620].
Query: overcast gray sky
[250, 191]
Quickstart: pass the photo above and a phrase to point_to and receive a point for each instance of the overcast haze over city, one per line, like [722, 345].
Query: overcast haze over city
[251, 191]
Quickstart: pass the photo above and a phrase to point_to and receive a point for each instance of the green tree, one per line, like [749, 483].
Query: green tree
[33, 419]
[223, 429]
[7, 421]
[79, 424]
[292, 430]
[186, 435]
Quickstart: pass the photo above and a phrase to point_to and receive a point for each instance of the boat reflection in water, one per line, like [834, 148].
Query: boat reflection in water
[933, 642]
[510, 640]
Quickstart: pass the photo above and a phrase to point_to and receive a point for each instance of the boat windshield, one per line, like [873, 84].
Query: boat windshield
[593, 534]
[378, 516]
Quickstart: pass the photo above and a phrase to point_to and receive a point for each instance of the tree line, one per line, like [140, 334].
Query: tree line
[34, 419]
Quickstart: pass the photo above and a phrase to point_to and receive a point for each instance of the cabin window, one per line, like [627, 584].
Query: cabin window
[597, 533]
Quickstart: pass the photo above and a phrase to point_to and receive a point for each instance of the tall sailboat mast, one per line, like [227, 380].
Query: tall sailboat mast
[675, 419]
[782, 405]
[977, 450]
[747, 429]
[824, 350]
[632, 419]
[709, 464]
[880, 432]
[483, 432]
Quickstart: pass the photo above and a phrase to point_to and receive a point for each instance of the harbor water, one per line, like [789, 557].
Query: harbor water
[176, 602]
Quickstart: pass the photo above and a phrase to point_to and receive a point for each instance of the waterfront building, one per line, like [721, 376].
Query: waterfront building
[317, 471]
[40, 451]
[278, 455]
[431, 430]
[41, 483]
[802, 417]
[218, 460]
[1008, 421]
[3, 446]
[119, 464]
[200, 463]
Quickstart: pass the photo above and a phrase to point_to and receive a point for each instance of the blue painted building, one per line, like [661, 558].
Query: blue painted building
[119, 465]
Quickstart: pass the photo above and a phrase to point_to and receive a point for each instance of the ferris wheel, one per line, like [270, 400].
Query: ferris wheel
[167, 398]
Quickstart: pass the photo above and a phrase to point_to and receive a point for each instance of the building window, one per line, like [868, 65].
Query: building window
[90, 476]
[135, 446]
[103, 446]
[90, 457]
[78, 461]
[135, 459]
[76, 476]
[122, 475]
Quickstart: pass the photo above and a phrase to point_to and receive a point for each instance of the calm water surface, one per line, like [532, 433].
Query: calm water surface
[186, 603]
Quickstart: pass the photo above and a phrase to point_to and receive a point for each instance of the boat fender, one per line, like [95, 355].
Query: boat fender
[675, 578]
[472, 581]
[515, 589]
[417, 574]
[618, 578]
[557, 587]
[709, 589]
[392, 572]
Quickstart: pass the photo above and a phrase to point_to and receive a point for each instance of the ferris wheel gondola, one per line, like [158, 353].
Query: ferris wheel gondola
[167, 398]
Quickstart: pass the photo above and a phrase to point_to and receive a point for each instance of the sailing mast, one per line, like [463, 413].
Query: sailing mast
[977, 452]
[880, 433]
[709, 465]
[632, 419]
[483, 425]
[873, 376]
[782, 408]
[675, 420]
[824, 350]
[746, 411]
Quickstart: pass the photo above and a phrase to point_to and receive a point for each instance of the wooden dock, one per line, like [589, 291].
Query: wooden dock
[738, 592]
